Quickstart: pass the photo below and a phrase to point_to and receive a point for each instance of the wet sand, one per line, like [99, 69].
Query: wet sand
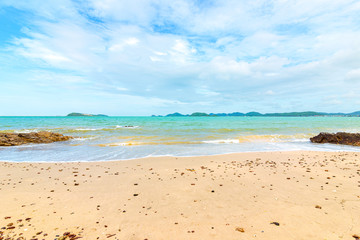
[274, 195]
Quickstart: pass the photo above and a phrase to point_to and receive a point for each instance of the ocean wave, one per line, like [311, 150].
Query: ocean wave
[134, 143]
[84, 138]
[117, 144]
[222, 141]
[186, 140]
[263, 138]
[301, 140]
[276, 138]
[126, 126]
[7, 131]
[27, 130]
[106, 129]
[78, 130]
[85, 129]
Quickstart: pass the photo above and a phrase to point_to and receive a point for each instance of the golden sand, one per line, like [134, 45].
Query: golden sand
[274, 195]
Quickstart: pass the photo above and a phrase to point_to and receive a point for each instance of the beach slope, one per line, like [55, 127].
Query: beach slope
[272, 195]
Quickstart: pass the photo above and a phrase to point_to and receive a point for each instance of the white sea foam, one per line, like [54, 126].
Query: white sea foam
[126, 126]
[86, 129]
[300, 140]
[222, 141]
[116, 144]
[26, 131]
[84, 138]
[178, 137]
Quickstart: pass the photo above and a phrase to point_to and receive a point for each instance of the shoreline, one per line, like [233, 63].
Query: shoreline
[190, 156]
[227, 196]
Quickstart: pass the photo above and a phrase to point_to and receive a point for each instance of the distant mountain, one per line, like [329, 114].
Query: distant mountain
[175, 115]
[253, 114]
[257, 114]
[218, 114]
[74, 114]
[296, 114]
[195, 114]
[199, 114]
[355, 114]
[236, 114]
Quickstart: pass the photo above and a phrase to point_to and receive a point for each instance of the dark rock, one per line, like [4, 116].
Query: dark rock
[14, 139]
[337, 138]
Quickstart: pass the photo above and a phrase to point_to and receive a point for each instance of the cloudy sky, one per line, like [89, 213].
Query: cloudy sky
[144, 57]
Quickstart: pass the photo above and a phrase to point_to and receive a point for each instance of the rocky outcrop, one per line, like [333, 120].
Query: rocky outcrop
[14, 139]
[337, 138]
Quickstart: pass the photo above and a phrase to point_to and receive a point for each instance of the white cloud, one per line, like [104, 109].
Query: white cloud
[269, 92]
[187, 50]
[353, 75]
[155, 59]
[181, 52]
[122, 89]
[206, 92]
[160, 53]
[132, 41]
[124, 43]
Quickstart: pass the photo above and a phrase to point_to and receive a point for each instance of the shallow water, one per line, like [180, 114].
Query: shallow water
[112, 138]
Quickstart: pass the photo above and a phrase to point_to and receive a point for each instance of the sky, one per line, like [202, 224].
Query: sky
[144, 57]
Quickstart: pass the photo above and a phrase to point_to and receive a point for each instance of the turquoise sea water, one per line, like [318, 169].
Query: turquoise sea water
[112, 138]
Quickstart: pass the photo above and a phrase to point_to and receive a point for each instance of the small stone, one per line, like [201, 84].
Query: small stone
[275, 223]
[239, 229]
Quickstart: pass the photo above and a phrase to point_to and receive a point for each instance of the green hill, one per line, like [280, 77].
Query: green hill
[296, 114]
[74, 114]
[257, 114]
[253, 114]
[199, 114]
[175, 115]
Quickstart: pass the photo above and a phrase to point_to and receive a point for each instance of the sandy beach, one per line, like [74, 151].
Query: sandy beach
[269, 195]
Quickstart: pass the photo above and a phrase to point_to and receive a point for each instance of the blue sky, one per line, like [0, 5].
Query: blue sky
[146, 57]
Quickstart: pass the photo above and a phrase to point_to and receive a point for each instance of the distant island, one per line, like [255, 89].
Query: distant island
[257, 114]
[74, 114]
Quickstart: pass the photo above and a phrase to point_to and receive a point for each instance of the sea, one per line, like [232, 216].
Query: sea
[123, 138]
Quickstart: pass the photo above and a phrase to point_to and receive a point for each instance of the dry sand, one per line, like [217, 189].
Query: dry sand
[274, 195]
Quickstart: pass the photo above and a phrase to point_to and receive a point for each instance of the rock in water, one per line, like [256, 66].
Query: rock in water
[337, 138]
[14, 139]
